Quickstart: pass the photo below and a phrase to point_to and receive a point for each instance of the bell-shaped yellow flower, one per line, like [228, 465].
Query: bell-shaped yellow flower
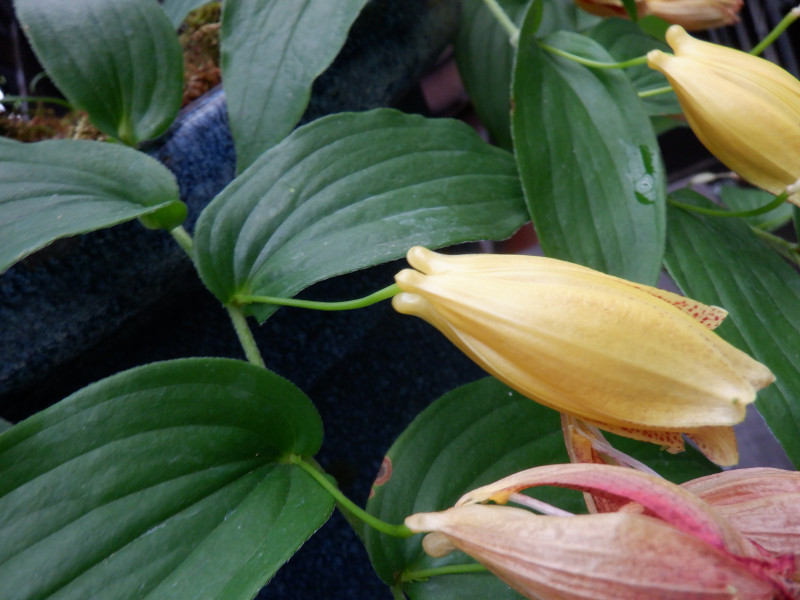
[744, 109]
[692, 14]
[630, 359]
[664, 542]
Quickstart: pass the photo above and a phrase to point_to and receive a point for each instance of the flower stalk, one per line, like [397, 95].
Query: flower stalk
[374, 298]
[400, 531]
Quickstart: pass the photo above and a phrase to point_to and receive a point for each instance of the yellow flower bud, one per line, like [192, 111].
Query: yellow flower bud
[744, 109]
[630, 359]
[691, 14]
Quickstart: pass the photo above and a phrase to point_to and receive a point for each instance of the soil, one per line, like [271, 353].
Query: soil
[199, 38]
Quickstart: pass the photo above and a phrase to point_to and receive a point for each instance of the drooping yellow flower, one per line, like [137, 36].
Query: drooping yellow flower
[744, 109]
[691, 14]
[630, 359]
[665, 543]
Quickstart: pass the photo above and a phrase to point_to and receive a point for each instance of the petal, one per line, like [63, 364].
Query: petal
[708, 315]
[717, 443]
[671, 441]
[762, 503]
[697, 14]
[586, 444]
[658, 496]
[615, 556]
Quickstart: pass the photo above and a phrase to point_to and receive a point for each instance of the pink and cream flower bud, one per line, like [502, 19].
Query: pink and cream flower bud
[744, 109]
[693, 15]
[627, 358]
[666, 543]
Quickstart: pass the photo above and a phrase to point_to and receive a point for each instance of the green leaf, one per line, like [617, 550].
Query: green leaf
[485, 55]
[485, 58]
[719, 261]
[58, 188]
[625, 40]
[178, 9]
[349, 191]
[589, 161]
[469, 437]
[740, 199]
[119, 60]
[271, 53]
[165, 481]
[564, 15]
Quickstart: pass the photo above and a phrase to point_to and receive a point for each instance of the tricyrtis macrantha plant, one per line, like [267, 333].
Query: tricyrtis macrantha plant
[631, 359]
[665, 543]
[744, 109]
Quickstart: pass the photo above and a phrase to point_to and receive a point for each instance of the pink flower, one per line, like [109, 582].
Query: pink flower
[664, 541]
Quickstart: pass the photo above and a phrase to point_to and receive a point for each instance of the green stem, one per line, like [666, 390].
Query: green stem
[397, 593]
[424, 574]
[655, 91]
[790, 251]
[184, 239]
[245, 336]
[400, 531]
[504, 20]
[595, 64]
[47, 99]
[373, 298]
[778, 201]
[790, 18]
[238, 318]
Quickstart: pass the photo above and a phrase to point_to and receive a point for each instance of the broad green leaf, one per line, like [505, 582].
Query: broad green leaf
[178, 9]
[485, 58]
[271, 53]
[564, 15]
[720, 261]
[5, 425]
[654, 26]
[485, 54]
[58, 188]
[624, 41]
[469, 437]
[588, 159]
[349, 191]
[740, 198]
[119, 60]
[166, 481]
